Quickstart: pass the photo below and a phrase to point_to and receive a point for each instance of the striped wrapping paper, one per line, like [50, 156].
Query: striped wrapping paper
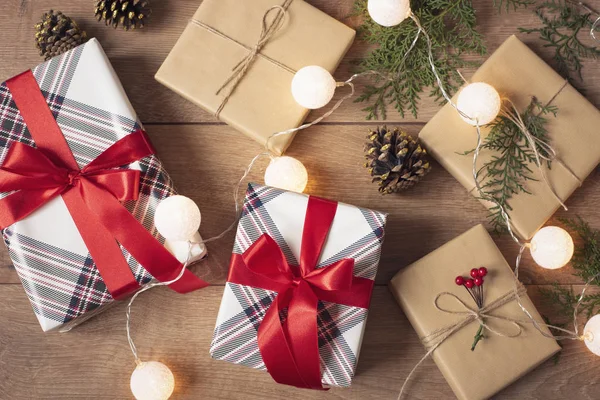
[93, 112]
[356, 233]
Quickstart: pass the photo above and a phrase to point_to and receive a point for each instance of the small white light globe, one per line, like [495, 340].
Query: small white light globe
[552, 247]
[152, 380]
[177, 218]
[286, 173]
[388, 12]
[313, 87]
[479, 101]
[591, 334]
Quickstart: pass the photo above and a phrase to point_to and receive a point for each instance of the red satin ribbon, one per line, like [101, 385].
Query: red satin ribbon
[92, 194]
[290, 350]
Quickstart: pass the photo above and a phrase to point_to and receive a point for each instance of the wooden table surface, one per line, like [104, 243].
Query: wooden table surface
[204, 158]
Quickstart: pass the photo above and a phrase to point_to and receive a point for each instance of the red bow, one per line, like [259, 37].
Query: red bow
[290, 350]
[92, 194]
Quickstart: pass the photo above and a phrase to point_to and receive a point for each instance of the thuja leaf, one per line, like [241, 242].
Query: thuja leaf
[510, 166]
[507, 5]
[563, 22]
[586, 263]
[451, 24]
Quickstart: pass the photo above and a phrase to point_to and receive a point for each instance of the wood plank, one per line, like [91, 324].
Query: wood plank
[137, 56]
[204, 162]
[93, 360]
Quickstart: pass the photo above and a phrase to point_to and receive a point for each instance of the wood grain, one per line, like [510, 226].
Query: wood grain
[204, 157]
[93, 361]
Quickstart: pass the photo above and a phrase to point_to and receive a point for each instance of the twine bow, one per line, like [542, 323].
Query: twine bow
[240, 70]
[436, 338]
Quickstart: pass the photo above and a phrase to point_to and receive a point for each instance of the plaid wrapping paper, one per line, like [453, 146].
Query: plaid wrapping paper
[93, 112]
[356, 233]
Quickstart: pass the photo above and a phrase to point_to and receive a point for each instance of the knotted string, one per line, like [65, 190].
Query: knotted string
[241, 69]
[436, 338]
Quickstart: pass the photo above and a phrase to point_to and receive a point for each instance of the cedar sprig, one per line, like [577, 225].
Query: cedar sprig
[562, 23]
[507, 5]
[508, 170]
[451, 24]
[586, 259]
[586, 263]
[565, 299]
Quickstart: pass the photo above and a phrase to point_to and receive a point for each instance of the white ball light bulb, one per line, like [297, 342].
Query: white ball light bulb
[313, 87]
[552, 247]
[388, 12]
[152, 380]
[479, 101]
[286, 173]
[177, 218]
[591, 334]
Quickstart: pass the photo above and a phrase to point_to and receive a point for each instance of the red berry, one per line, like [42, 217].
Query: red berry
[482, 271]
[474, 273]
[459, 280]
[478, 281]
[470, 283]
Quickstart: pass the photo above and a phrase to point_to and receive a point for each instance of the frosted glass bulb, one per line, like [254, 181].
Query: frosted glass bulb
[388, 12]
[177, 218]
[313, 87]
[286, 173]
[591, 334]
[552, 247]
[479, 101]
[152, 380]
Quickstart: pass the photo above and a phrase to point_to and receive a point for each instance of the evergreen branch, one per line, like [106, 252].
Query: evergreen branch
[451, 24]
[506, 173]
[586, 262]
[562, 22]
[512, 4]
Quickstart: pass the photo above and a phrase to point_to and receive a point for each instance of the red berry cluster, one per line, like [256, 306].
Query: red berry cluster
[475, 280]
[474, 286]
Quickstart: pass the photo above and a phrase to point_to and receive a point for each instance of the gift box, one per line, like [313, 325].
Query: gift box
[430, 298]
[73, 152]
[224, 32]
[518, 73]
[337, 248]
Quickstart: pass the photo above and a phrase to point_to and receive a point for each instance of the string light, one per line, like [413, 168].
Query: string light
[152, 380]
[286, 173]
[551, 247]
[177, 218]
[480, 101]
[591, 334]
[313, 87]
[389, 12]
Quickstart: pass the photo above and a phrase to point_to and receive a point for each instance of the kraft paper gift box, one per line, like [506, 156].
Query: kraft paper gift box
[518, 73]
[496, 361]
[356, 234]
[49, 254]
[223, 32]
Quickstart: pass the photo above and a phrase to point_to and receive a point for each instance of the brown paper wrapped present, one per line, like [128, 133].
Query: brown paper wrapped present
[223, 32]
[518, 74]
[497, 361]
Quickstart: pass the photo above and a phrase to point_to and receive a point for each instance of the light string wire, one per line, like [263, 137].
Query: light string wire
[142, 290]
[591, 12]
[533, 142]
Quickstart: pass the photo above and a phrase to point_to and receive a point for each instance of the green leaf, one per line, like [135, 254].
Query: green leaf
[451, 25]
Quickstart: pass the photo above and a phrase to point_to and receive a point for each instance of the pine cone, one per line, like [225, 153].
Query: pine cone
[56, 33]
[395, 160]
[130, 14]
